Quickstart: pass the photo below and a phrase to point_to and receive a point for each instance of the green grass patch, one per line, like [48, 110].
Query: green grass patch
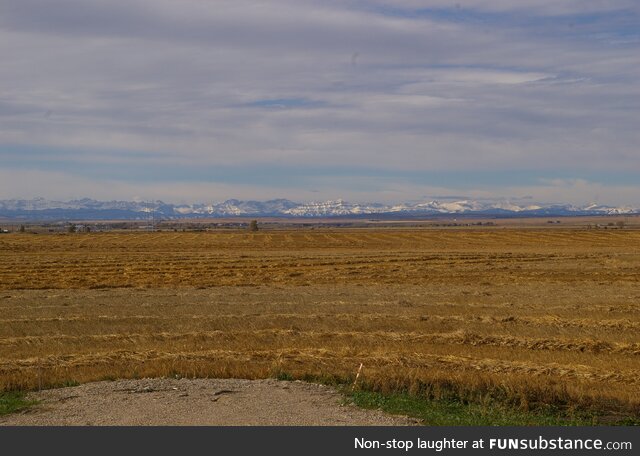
[13, 401]
[448, 412]
[450, 407]
[283, 376]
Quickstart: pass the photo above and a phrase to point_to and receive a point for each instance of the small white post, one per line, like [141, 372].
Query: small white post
[357, 375]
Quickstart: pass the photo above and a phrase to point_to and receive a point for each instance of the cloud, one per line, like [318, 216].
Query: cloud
[357, 188]
[539, 7]
[236, 84]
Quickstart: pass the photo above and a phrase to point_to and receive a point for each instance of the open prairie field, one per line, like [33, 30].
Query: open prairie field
[533, 317]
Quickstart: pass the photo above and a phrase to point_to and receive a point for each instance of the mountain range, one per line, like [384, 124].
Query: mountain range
[90, 209]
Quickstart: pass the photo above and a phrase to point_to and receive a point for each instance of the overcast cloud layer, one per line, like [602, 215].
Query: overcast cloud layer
[380, 100]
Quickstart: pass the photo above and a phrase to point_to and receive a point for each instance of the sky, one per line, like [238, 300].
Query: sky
[378, 100]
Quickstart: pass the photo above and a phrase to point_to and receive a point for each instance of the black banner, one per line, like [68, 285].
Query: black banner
[88, 441]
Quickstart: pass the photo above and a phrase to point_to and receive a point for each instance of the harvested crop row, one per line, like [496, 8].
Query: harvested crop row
[529, 315]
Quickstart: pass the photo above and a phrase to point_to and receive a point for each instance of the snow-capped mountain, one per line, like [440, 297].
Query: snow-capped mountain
[42, 209]
[334, 208]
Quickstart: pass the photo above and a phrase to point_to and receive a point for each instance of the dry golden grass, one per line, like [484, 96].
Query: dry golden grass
[527, 316]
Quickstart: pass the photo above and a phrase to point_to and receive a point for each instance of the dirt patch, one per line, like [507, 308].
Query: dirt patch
[215, 402]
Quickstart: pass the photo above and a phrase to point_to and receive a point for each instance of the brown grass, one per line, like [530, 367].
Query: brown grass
[532, 317]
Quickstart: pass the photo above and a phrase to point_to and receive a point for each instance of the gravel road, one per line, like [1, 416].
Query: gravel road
[217, 402]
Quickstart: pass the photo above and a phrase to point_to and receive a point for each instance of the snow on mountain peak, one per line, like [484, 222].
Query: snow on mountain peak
[40, 207]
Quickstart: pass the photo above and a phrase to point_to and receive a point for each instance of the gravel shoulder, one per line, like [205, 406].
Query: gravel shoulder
[205, 402]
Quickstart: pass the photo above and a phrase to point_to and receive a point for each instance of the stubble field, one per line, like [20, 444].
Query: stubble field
[531, 317]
